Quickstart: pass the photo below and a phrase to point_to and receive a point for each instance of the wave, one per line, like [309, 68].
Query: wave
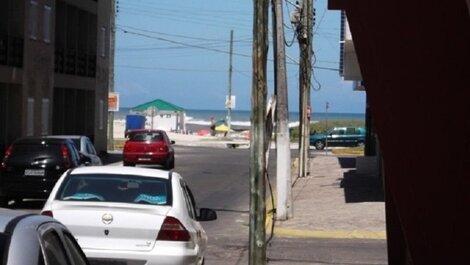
[190, 120]
[202, 122]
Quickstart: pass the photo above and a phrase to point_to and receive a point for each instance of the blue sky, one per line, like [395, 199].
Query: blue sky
[178, 51]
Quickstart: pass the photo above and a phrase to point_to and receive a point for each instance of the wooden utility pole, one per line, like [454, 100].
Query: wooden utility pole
[284, 208]
[258, 170]
[305, 36]
[229, 99]
[112, 42]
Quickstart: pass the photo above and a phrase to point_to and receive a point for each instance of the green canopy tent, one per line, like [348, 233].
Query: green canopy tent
[163, 114]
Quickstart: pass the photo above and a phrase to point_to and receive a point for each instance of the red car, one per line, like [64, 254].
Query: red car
[149, 147]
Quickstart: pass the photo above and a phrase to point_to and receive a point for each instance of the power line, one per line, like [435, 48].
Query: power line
[178, 42]
[204, 48]
[170, 69]
[172, 35]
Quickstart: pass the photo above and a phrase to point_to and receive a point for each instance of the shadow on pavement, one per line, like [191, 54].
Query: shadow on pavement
[362, 188]
[347, 162]
[109, 158]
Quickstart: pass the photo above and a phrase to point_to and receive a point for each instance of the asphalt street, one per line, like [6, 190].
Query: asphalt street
[219, 179]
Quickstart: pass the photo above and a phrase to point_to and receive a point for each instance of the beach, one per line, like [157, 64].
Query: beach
[188, 139]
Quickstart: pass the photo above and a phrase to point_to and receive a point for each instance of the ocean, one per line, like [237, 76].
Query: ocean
[241, 118]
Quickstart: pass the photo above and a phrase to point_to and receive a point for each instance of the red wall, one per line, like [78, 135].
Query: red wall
[415, 61]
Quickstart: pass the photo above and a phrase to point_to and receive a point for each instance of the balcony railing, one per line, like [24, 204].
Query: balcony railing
[73, 62]
[11, 51]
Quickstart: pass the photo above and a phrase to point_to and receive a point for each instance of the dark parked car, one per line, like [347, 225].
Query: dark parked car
[31, 239]
[150, 147]
[31, 167]
[339, 136]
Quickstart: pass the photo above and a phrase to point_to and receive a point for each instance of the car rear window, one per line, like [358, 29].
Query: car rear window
[146, 136]
[30, 151]
[76, 142]
[115, 188]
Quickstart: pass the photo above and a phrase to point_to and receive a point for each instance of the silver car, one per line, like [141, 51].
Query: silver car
[32, 239]
[84, 146]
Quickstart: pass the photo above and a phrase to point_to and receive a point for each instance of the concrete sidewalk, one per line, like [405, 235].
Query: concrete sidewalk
[335, 202]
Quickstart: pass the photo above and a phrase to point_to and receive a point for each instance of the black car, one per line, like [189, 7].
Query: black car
[31, 167]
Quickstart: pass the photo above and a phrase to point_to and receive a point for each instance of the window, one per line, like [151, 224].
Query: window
[77, 255]
[101, 118]
[4, 238]
[30, 117]
[53, 249]
[47, 24]
[45, 116]
[115, 188]
[188, 198]
[350, 131]
[103, 42]
[33, 20]
[146, 136]
[90, 148]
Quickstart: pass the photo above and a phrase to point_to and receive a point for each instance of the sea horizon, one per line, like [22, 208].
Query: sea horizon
[241, 118]
[244, 115]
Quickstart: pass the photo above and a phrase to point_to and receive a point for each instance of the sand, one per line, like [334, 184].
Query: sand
[120, 125]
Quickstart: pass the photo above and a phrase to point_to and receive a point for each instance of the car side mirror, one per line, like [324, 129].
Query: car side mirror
[206, 214]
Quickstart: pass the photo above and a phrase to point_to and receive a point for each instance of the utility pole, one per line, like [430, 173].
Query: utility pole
[305, 37]
[258, 169]
[327, 106]
[112, 35]
[284, 209]
[229, 100]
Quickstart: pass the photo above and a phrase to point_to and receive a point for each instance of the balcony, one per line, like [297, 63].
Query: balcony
[11, 51]
[73, 62]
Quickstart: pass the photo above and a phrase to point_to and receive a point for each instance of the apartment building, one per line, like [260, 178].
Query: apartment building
[54, 68]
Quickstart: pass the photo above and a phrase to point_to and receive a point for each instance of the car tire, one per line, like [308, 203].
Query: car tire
[127, 164]
[319, 145]
[4, 202]
[170, 163]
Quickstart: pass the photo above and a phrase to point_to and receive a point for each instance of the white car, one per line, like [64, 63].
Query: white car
[126, 215]
[84, 146]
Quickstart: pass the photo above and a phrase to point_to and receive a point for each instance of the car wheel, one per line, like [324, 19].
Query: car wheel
[170, 163]
[319, 145]
[127, 164]
[4, 202]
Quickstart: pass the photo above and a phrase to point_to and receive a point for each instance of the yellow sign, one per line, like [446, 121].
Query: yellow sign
[113, 101]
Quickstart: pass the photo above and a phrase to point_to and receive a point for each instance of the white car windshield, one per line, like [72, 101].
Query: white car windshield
[115, 188]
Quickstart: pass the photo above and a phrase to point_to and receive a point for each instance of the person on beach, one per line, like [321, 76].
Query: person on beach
[212, 126]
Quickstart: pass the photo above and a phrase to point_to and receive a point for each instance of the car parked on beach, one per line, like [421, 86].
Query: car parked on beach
[32, 239]
[84, 146]
[124, 215]
[148, 147]
[31, 166]
[339, 136]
